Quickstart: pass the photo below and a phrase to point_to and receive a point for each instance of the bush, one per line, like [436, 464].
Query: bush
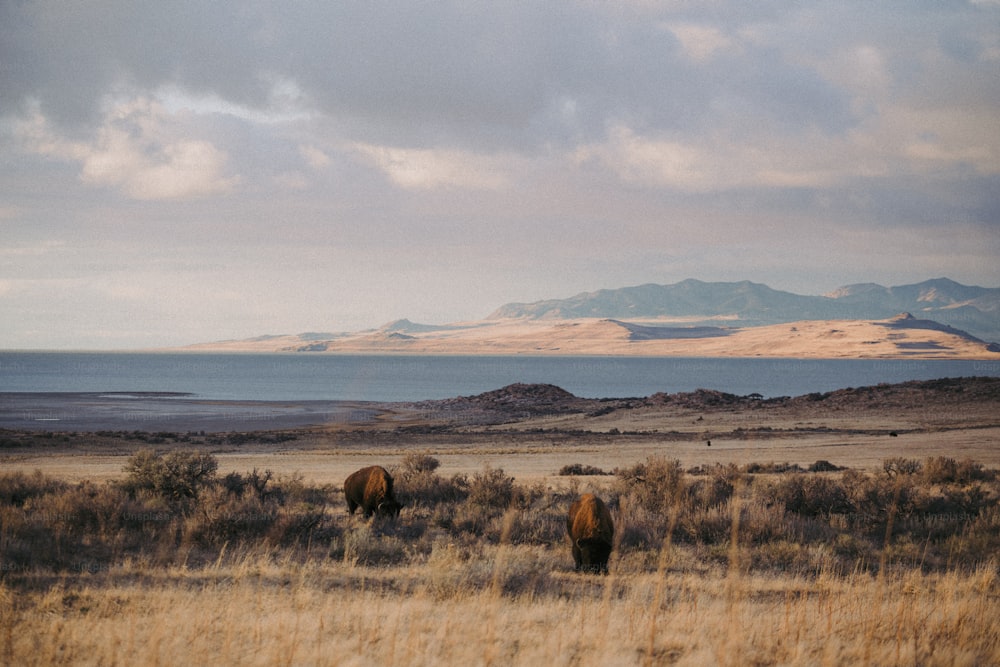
[656, 485]
[772, 468]
[419, 486]
[811, 495]
[580, 469]
[172, 509]
[177, 476]
[363, 545]
[415, 464]
[945, 470]
[543, 522]
[896, 466]
[491, 490]
[717, 487]
[17, 488]
[940, 470]
[231, 520]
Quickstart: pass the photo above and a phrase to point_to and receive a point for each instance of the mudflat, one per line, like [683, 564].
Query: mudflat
[530, 431]
[164, 411]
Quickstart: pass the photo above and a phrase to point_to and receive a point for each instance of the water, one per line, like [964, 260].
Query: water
[279, 377]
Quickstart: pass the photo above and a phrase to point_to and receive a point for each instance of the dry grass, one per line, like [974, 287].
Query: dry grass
[509, 606]
[760, 565]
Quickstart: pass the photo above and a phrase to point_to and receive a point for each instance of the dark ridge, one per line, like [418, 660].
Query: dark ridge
[519, 398]
[699, 398]
[521, 391]
[960, 389]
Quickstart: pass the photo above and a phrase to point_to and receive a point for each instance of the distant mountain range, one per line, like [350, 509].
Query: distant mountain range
[968, 308]
[934, 319]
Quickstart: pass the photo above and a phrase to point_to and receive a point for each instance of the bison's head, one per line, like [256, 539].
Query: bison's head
[389, 508]
[594, 554]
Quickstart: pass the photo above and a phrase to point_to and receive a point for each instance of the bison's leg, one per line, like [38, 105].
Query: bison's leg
[351, 506]
[577, 557]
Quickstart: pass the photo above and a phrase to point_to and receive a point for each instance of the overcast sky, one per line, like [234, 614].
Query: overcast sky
[179, 172]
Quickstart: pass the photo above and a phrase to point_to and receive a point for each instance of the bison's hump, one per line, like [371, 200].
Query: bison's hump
[589, 518]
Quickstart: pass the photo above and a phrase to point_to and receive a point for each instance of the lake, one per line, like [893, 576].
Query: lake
[288, 377]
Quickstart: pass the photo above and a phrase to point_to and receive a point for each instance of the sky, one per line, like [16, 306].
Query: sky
[192, 171]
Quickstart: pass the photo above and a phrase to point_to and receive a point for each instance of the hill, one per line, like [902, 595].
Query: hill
[934, 319]
[903, 336]
[968, 308]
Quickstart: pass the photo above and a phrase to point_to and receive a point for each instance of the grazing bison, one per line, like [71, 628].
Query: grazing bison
[371, 489]
[592, 533]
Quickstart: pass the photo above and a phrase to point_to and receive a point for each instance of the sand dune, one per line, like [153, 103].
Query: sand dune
[899, 337]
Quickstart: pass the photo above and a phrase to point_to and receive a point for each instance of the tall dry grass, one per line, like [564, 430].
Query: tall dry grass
[711, 566]
[257, 610]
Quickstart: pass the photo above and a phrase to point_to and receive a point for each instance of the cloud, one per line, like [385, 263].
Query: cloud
[723, 164]
[333, 158]
[292, 180]
[138, 152]
[653, 162]
[178, 170]
[701, 42]
[420, 169]
[314, 157]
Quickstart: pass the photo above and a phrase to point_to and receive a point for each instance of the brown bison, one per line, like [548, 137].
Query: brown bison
[592, 533]
[371, 489]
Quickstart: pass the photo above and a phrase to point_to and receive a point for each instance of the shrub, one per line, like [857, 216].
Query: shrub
[299, 527]
[580, 469]
[254, 482]
[940, 470]
[492, 489]
[706, 525]
[63, 528]
[655, 485]
[946, 516]
[542, 523]
[781, 556]
[810, 495]
[258, 481]
[717, 487]
[414, 464]
[363, 545]
[898, 465]
[177, 476]
[946, 470]
[418, 486]
[16, 488]
[234, 484]
[772, 468]
[231, 520]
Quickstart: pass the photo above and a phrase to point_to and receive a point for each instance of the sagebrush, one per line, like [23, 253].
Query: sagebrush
[172, 507]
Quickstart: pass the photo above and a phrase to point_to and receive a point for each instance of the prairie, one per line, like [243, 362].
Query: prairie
[255, 610]
[806, 534]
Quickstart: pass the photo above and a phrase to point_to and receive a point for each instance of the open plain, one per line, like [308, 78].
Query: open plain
[855, 527]
[531, 431]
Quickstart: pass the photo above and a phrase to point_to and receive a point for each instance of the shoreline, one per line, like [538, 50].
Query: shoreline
[635, 352]
[169, 411]
[152, 411]
[531, 431]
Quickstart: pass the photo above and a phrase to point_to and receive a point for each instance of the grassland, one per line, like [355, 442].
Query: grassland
[255, 610]
[806, 534]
